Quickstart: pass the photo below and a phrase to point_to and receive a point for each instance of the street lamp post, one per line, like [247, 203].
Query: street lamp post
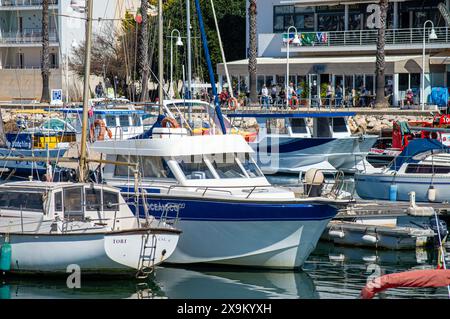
[432, 36]
[295, 41]
[179, 43]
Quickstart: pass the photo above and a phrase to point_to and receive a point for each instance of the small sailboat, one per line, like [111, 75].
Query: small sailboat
[46, 227]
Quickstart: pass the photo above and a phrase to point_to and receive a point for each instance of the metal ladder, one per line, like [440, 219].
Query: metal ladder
[146, 265]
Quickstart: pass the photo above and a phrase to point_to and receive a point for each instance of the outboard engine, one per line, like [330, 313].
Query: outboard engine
[314, 181]
[443, 231]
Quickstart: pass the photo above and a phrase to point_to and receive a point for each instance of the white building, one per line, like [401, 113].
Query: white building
[21, 43]
[338, 46]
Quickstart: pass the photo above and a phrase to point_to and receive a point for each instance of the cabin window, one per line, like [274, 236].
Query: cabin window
[194, 167]
[111, 121]
[322, 127]
[73, 202]
[226, 166]
[93, 199]
[298, 126]
[339, 125]
[58, 201]
[149, 166]
[124, 121]
[24, 201]
[427, 169]
[110, 201]
[276, 126]
[250, 167]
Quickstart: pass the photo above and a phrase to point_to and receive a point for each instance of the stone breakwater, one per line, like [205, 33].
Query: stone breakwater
[359, 124]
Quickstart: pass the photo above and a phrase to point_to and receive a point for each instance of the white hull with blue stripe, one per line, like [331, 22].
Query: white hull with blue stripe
[228, 211]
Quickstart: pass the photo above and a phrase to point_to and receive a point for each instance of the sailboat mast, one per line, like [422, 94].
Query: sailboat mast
[86, 92]
[189, 57]
[160, 56]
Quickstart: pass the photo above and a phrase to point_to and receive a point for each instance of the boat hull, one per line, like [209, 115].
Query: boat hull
[294, 155]
[93, 253]
[377, 186]
[243, 233]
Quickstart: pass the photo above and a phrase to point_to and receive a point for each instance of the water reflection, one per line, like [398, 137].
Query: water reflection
[331, 272]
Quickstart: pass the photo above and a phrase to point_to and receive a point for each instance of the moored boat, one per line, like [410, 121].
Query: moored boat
[48, 227]
[228, 211]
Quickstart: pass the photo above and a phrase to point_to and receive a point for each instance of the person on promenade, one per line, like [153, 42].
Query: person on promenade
[223, 97]
[329, 95]
[273, 94]
[338, 96]
[265, 97]
[99, 92]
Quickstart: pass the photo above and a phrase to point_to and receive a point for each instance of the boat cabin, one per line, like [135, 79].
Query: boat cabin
[48, 207]
[210, 160]
[121, 123]
[301, 125]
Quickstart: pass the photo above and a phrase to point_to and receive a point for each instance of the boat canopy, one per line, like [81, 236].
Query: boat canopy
[193, 145]
[292, 115]
[414, 148]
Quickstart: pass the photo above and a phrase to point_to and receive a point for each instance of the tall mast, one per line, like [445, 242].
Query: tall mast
[87, 72]
[189, 57]
[161, 57]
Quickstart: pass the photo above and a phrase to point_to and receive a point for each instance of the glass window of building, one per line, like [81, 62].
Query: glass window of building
[260, 80]
[300, 17]
[403, 81]
[331, 18]
[359, 82]
[370, 83]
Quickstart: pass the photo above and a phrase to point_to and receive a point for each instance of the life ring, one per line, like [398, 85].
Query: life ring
[293, 102]
[232, 103]
[172, 122]
[103, 130]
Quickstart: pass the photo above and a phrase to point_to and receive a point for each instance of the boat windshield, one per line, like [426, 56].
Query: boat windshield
[298, 126]
[219, 166]
[21, 201]
[194, 167]
[227, 167]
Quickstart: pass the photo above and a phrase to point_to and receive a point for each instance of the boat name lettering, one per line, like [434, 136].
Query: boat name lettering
[166, 207]
[119, 241]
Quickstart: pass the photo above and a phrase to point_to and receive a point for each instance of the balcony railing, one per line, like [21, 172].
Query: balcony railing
[369, 37]
[27, 36]
[24, 3]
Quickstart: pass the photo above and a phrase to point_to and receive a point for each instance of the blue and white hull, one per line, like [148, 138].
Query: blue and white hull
[242, 233]
[378, 186]
[294, 155]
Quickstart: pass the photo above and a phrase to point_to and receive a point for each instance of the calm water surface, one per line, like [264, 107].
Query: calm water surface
[330, 272]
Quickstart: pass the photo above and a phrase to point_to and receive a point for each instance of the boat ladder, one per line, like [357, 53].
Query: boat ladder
[146, 264]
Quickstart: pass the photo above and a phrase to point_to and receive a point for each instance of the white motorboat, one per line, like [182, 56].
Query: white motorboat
[47, 227]
[285, 143]
[229, 213]
[423, 167]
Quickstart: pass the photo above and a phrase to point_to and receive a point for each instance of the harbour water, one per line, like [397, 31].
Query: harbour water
[331, 272]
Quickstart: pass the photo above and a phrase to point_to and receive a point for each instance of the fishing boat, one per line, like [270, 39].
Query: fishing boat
[120, 122]
[228, 211]
[285, 143]
[423, 167]
[46, 227]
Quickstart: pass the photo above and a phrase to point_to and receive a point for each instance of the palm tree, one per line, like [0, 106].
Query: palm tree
[143, 65]
[380, 63]
[252, 54]
[45, 58]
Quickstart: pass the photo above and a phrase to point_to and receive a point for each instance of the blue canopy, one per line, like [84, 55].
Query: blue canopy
[415, 147]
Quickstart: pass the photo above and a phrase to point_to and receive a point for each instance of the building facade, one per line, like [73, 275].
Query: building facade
[338, 46]
[21, 43]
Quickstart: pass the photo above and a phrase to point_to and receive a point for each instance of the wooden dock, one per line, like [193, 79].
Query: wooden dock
[376, 208]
